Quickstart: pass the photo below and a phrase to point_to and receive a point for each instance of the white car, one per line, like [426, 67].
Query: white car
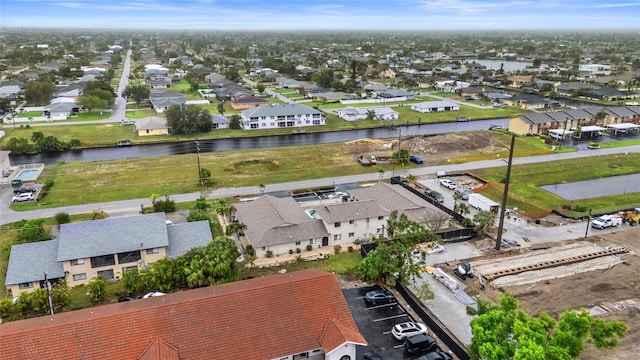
[448, 183]
[153, 294]
[436, 249]
[23, 197]
[406, 329]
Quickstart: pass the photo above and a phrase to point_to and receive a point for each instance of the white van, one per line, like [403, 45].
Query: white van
[555, 135]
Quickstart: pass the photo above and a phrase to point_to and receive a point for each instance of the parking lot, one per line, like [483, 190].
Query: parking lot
[375, 324]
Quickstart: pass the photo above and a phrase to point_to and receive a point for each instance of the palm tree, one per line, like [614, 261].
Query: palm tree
[380, 174]
[462, 209]
[235, 228]
[262, 186]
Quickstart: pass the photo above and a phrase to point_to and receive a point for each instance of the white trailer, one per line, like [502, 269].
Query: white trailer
[445, 279]
[480, 202]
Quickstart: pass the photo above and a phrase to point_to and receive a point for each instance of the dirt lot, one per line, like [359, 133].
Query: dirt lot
[599, 287]
[433, 149]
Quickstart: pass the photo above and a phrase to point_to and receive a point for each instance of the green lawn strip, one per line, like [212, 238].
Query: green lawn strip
[89, 135]
[28, 114]
[142, 113]
[526, 179]
[90, 116]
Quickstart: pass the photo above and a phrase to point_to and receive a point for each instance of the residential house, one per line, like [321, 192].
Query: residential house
[5, 164]
[151, 126]
[451, 86]
[281, 116]
[219, 121]
[595, 68]
[435, 106]
[379, 113]
[387, 74]
[300, 315]
[245, 101]
[162, 99]
[622, 114]
[573, 88]
[159, 81]
[287, 83]
[540, 123]
[277, 225]
[610, 94]
[60, 109]
[212, 77]
[519, 80]
[201, 70]
[472, 91]
[9, 92]
[397, 93]
[107, 247]
[528, 102]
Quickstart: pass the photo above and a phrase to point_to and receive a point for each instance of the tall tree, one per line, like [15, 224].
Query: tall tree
[188, 119]
[39, 93]
[505, 332]
[137, 92]
[91, 102]
[234, 122]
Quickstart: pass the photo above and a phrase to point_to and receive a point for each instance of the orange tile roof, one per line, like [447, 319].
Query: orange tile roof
[261, 318]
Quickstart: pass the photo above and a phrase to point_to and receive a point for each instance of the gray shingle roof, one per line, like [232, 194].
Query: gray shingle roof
[275, 110]
[151, 123]
[111, 236]
[353, 210]
[186, 236]
[272, 221]
[28, 262]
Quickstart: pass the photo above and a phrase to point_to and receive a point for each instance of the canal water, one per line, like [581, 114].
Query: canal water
[587, 189]
[245, 143]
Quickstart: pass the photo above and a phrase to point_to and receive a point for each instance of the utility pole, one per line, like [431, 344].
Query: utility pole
[393, 172]
[503, 206]
[48, 286]
[199, 170]
[586, 232]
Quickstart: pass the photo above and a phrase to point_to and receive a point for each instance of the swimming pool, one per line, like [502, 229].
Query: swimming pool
[27, 175]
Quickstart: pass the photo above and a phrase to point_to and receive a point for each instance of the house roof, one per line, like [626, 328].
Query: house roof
[167, 98]
[29, 262]
[271, 220]
[391, 198]
[288, 314]
[110, 236]
[186, 236]
[275, 110]
[249, 99]
[219, 119]
[61, 106]
[622, 111]
[353, 210]
[434, 104]
[151, 123]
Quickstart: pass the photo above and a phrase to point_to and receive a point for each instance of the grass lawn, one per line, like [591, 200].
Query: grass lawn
[141, 113]
[90, 116]
[29, 114]
[344, 263]
[93, 134]
[528, 197]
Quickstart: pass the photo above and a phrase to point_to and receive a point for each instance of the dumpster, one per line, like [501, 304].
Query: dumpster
[16, 183]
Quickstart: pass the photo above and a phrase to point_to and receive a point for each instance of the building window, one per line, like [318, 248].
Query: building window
[352, 234]
[152, 251]
[129, 257]
[379, 230]
[352, 222]
[337, 237]
[106, 273]
[264, 248]
[27, 285]
[312, 241]
[336, 225]
[100, 261]
[77, 261]
[297, 242]
[380, 217]
[78, 277]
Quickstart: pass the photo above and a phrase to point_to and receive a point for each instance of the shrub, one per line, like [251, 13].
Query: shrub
[309, 247]
[337, 249]
[45, 189]
[298, 251]
[269, 254]
[250, 250]
[167, 205]
[350, 249]
[290, 251]
[62, 218]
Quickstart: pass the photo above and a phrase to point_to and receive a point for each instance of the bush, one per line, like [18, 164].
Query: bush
[309, 247]
[350, 249]
[62, 218]
[298, 250]
[290, 251]
[269, 254]
[45, 189]
[337, 249]
[165, 205]
[250, 250]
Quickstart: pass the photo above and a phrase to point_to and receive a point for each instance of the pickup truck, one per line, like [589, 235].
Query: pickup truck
[605, 221]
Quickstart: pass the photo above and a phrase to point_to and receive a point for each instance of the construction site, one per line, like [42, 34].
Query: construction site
[599, 274]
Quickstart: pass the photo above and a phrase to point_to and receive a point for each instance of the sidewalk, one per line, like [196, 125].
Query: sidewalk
[314, 254]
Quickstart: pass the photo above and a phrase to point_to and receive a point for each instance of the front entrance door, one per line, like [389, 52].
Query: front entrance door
[325, 241]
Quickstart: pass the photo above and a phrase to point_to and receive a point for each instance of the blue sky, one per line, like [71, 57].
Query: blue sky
[323, 14]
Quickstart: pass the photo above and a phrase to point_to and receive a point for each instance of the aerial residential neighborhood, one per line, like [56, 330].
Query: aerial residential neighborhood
[254, 182]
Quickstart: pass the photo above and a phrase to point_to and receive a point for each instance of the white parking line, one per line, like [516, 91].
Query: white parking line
[379, 306]
[386, 332]
[398, 346]
[390, 317]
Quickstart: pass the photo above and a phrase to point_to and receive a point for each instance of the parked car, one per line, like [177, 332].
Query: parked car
[448, 183]
[376, 297]
[410, 328]
[419, 344]
[124, 298]
[153, 294]
[23, 197]
[21, 190]
[436, 355]
[416, 159]
[372, 355]
[460, 192]
[495, 127]
[436, 249]
[435, 195]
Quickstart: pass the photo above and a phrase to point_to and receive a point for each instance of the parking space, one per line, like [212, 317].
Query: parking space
[375, 324]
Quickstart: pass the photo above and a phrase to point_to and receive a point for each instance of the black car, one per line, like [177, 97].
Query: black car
[124, 298]
[436, 355]
[22, 190]
[416, 159]
[372, 355]
[376, 297]
[419, 344]
[435, 195]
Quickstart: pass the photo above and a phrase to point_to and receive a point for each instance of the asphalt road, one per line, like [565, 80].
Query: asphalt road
[131, 207]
